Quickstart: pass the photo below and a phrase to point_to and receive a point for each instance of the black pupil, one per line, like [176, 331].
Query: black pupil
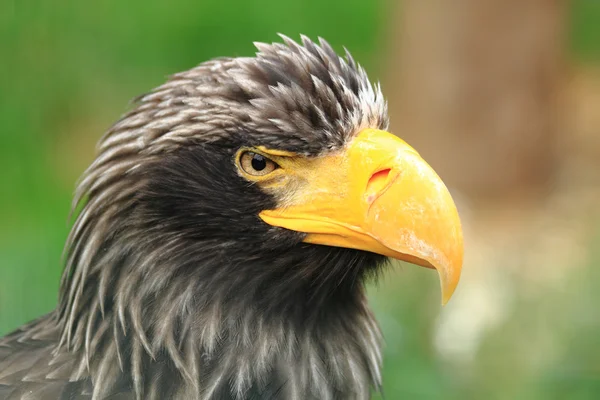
[259, 162]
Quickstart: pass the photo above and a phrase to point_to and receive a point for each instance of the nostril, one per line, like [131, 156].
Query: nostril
[378, 179]
[376, 184]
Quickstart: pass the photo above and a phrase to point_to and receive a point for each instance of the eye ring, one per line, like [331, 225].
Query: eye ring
[256, 164]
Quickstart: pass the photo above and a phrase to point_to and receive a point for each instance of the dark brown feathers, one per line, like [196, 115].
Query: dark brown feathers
[173, 287]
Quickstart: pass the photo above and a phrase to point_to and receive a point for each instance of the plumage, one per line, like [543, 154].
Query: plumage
[174, 288]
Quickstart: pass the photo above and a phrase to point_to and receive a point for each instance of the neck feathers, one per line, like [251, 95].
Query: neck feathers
[174, 340]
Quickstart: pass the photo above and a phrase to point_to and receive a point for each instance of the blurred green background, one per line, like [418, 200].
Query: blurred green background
[524, 323]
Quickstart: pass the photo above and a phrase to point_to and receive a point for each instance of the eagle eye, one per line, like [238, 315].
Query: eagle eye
[256, 164]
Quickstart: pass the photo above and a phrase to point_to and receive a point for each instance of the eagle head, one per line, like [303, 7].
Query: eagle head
[227, 225]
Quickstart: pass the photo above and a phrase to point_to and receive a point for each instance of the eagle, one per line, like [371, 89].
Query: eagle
[224, 235]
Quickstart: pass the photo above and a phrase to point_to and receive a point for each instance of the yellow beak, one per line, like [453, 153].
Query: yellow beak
[378, 195]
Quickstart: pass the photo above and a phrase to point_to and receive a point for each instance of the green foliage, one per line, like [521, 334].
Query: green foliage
[585, 29]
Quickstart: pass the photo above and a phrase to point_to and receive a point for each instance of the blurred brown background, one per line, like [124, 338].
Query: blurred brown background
[502, 97]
